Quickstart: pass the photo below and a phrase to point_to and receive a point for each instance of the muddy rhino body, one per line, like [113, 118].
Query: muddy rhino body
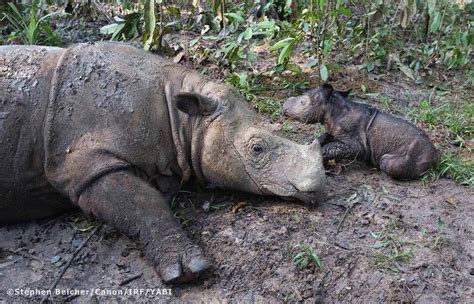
[355, 130]
[115, 131]
[25, 81]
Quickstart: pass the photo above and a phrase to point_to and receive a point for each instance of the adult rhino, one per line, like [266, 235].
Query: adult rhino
[116, 131]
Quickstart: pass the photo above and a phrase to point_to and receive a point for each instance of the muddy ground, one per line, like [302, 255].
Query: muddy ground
[252, 249]
[378, 240]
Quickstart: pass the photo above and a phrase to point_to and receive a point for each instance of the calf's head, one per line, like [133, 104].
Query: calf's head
[311, 106]
[235, 152]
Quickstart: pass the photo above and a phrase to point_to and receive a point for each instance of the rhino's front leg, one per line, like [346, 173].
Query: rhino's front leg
[136, 208]
[339, 150]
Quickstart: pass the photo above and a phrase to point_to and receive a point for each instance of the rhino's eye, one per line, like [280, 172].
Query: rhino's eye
[257, 149]
[257, 152]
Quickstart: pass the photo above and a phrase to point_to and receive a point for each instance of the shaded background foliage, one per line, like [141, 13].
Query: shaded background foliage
[415, 34]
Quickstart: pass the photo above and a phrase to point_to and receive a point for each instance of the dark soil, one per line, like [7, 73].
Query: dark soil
[252, 249]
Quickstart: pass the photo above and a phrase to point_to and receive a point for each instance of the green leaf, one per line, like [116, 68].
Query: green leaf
[193, 42]
[251, 57]
[118, 31]
[431, 7]
[282, 43]
[345, 11]
[174, 10]
[110, 28]
[407, 71]
[339, 3]
[294, 68]
[321, 4]
[381, 245]
[299, 256]
[323, 72]
[285, 53]
[267, 24]
[327, 44]
[248, 33]
[235, 17]
[436, 22]
[312, 63]
[233, 55]
[370, 66]
[317, 259]
[150, 23]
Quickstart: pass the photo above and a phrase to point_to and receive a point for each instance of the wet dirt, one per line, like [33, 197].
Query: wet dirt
[252, 242]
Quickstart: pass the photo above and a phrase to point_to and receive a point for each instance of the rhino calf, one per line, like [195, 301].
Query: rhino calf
[355, 130]
[115, 130]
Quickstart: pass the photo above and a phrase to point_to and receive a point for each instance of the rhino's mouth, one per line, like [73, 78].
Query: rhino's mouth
[292, 193]
[309, 197]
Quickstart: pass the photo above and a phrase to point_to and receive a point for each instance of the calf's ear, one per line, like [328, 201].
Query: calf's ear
[326, 90]
[195, 104]
[345, 93]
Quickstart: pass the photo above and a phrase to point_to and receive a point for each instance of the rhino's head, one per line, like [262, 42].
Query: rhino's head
[312, 106]
[232, 151]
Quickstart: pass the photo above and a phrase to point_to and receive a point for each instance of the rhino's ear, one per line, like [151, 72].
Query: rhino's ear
[345, 93]
[195, 104]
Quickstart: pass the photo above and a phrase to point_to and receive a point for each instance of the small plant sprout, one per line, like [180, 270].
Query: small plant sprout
[304, 255]
[389, 250]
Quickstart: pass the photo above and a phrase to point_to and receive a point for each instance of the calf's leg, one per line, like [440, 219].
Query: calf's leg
[398, 166]
[136, 208]
[339, 150]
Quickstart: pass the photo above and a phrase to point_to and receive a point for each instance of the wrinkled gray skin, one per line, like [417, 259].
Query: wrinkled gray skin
[355, 130]
[115, 131]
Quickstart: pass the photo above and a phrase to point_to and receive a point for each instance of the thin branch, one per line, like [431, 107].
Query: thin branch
[63, 271]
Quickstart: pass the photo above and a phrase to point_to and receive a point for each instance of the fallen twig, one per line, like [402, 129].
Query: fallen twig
[54, 220]
[341, 245]
[344, 217]
[63, 271]
[24, 254]
[126, 281]
[104, 12]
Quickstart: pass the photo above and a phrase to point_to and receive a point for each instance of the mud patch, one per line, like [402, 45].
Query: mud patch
[253, 249]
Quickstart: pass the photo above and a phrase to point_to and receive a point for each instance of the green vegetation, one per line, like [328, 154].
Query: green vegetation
[304, 255]
[377, 32]
[389, 250]
[241, 81]
[270, 106]
[455, 167]
[455, 122]
[455, 119]
[83, 224]
[434, 240]
[388, 261]
[31, 26]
